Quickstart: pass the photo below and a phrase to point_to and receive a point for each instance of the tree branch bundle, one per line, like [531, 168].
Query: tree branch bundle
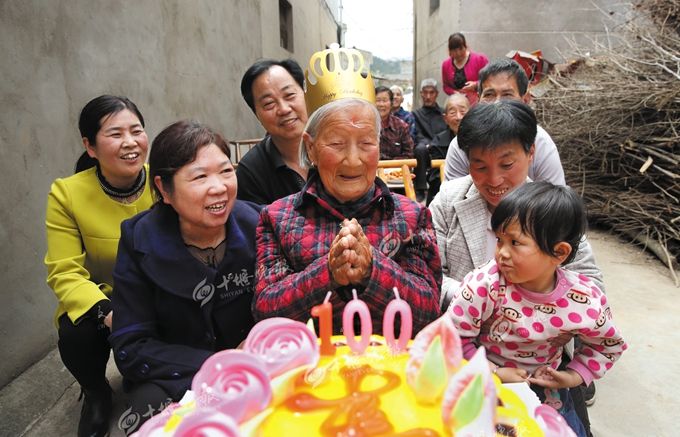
[616, 122]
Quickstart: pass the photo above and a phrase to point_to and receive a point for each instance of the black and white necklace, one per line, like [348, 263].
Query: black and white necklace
[117, 192]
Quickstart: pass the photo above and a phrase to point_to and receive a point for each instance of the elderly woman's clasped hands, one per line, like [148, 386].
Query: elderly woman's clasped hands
[350, 259]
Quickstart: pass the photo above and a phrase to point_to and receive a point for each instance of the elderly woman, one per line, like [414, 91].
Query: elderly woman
[345, 230]
[184, 276]
[84, 212]
[395, 140]
[498, 139]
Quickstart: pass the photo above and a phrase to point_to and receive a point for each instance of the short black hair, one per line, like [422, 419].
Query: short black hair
[457, 41]
[490, 125]
[548, 213]
[504, 66]
[384, 89]
[263, 65]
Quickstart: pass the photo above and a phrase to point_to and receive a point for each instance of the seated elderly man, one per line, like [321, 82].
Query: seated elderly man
[345, 230]
[429, 120]
[457, 105]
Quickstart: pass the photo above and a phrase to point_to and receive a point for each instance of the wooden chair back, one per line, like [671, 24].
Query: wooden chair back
[405, 165]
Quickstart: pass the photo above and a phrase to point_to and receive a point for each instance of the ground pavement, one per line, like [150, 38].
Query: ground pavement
[638, 397]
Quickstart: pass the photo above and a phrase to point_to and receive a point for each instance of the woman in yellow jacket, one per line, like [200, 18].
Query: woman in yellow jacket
[84, 212]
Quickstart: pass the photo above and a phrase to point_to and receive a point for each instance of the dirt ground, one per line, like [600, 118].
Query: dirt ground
[638, 396]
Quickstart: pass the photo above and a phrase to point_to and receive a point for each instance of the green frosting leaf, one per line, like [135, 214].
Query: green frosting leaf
[431, 380]
[470, 403]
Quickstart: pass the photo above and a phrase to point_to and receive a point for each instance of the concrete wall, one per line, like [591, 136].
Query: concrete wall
[313, 29]
[175, 59]
[495, 27]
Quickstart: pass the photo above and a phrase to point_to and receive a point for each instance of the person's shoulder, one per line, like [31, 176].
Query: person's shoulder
[246, 209]
[397, 122]
[580, 284]
[85, 179]
[444, 137]
[256, 157]
[140, 226]
[543, 137]
[403, 203]
[143, 218]
[282, 206]
[456, 188]
[80, 189]
[480, 57]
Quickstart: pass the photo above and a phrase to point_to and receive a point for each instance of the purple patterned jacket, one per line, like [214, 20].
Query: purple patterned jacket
[293, 240]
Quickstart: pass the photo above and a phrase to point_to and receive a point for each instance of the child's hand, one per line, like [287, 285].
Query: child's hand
[512, 374]
[562, 339]
[546, 376]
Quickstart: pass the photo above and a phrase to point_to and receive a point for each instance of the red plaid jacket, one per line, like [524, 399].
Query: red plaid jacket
[293, 239]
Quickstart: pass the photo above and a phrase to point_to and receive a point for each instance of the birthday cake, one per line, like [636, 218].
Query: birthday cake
[281, 383]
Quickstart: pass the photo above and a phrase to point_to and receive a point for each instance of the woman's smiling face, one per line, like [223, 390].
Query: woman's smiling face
[204, 192]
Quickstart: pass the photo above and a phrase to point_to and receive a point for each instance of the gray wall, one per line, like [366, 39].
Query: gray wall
[494, 27]
[175, 59]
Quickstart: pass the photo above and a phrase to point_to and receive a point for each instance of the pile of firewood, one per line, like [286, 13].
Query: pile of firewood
[616, 122]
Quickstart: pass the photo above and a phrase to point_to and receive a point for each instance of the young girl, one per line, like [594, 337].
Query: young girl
[520, 304]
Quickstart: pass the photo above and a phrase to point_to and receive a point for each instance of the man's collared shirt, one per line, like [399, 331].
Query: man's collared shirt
[264, 177]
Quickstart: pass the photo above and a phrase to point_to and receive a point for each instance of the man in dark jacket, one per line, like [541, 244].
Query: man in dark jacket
[429, 122]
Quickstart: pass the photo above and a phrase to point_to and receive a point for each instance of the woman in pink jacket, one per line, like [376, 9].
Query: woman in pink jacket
[460, 70]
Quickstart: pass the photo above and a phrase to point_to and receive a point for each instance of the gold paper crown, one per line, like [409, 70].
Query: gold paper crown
[334, 74]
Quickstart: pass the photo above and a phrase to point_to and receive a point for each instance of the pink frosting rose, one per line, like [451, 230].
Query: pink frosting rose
[233, 382]
[283, 344]
[207, 422]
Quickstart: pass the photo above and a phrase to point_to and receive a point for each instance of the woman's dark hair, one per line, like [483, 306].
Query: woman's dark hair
[548, 213]
[261, 66]
[176, 146]
[490, 125]
[456, 41]
[384, 89]
[90, 119]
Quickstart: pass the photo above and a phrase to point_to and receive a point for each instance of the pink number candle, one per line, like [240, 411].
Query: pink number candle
[397, 306]
[325, 314]
[356, 306]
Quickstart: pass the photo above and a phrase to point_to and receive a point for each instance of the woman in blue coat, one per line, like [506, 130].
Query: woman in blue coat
[184, 275]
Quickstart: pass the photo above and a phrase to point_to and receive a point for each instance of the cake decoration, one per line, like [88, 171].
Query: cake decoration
[435, 355]
[469, 404]
[280, 383]
[233, 382]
